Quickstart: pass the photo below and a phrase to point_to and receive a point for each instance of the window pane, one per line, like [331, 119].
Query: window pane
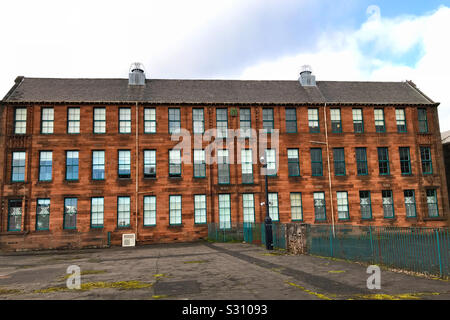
[249, 207]
[14, 215]
[296, 206]
[20, 120]
[149, 163]
[72, 165]
[45, 165]
[342, 204]
[175, 162]
[47, 120]
[319, 205]
[70, 213]
[43, 214]
[247, 165]
[313, 120]
[99, 120]
[200, 208]
[365, 203]
[149, 210]
[198, 120]
[18, 166]
[293, 163]
[73, 121]
[174, 209]
[124, 164]
[224, 211]
[98, 165]
[149, 120]
[273, 206]
[97, 210]
[410, 203]
[123, 212]
[432, 203]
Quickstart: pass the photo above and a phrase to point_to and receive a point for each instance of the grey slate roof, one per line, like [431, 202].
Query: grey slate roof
[53, 90]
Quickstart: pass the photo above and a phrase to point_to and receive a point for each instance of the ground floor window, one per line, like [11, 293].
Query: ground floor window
[224, 211]
[342, 205]
[175, 209]
[365, 203]
[273, 206]
[296, 206]
[70, 213]
[14, 215]
[388, 203]
[200, 208]
[149, 210]
[432, 203]
[97, 210]
[248, 203]
[319, 206]
[410, 203]
[43, 214]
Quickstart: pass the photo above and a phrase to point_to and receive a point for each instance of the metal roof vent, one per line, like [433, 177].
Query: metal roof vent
[136, 76]
[306, 77]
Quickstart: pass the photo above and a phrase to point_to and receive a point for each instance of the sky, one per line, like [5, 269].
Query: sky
[350, 40]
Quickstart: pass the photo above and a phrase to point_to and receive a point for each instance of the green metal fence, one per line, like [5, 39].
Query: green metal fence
[425, 250]
[248, 232]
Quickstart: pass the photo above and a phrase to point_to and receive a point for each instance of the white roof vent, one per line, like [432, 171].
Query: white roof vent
[306, 77]
[136, 76]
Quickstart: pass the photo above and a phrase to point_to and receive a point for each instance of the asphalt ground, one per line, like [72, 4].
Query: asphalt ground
[202, 271]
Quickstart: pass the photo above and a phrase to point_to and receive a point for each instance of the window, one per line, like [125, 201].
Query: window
[224, 211]
[425, 157]
[175, 210]
[361, 161]
[223, 167]
[336, 125]
[43, 214]
[199, 164]
[149, 163]
[247, 165]
[199, 208]
[271, 162]
[97, 210]
[358, 123]
[149, 120]
[296, 206]
[245, 120]
[45, 165]
[71, 165]
[379, 120]
[339, 161]
[124, 120]
[175, 163]
[273, 206]
[70, 213]
[222, 122]
[150, 211]
[432, 204]
[388, 203]
[405, 160]
[383, 161]
[342, 205]
[73, 120]
[401, 121]
[99, 120]
[47, 118]
[410, 203]
[174, 120]
[198, 121]
[123, 212]
[291, 120]
[293, 164]
[313, 120]
[319, 206]
[98, 165]
[365, 204]
[14, 215]
[124, 164]
[248, 203]
[423, 122]
[18, 166]
[268, 119]
[316, 161]
[20, 120]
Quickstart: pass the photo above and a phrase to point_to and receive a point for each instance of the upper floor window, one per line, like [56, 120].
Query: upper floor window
[198, 120]
[98, 165]
[73, 120]
[149, 120]
[222, 122]
[339, 161]
[224, 211]
[18, 166]
[379, 120]
[20, 121]
[405, 160]
[291, 120]
[245, 122]
[313, 120]
[361, 161]
[47, 118]
[123, 212]
[174, 209]
[124, 120]
[199, 208]
[124, 170]
[247, 165]
[174, 120]
[97, 212]
[71, 165]
[99, 120]
[248, 205]
[432, 204]
[149, 210]
[296, 206]
[199, 164]
[358, 122]
[223, 167]
[45, 165]
[268, 119]
[316, 162]
[175, 163]
[401, 120]
[383, 160]
[423, 122]
[149, 163]
[336, 124]
[293, 163]
[425, 157]
[271, 159]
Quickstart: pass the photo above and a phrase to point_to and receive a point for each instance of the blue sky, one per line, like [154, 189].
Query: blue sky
[235, 39]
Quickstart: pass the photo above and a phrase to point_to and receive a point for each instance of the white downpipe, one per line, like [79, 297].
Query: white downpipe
[329, 171]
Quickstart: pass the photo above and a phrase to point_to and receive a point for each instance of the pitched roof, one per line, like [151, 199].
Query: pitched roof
[53, 90]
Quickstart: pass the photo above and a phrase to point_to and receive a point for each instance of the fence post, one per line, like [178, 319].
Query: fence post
[439, 252]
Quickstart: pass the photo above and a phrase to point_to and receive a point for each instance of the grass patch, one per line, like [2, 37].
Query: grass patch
[318, 295]
[9, 291]
[196, 261]
[160, 297]
[402, 296]
[160, 275]
[336, 271]
[121, 285]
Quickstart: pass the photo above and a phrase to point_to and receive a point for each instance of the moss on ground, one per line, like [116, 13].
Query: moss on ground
[121, 285]
[196, 261]
[5, 291]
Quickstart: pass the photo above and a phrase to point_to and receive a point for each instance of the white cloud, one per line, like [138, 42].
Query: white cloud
[342, 55]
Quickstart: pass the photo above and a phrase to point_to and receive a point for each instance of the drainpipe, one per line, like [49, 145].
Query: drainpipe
[137, 167]
[329, 171]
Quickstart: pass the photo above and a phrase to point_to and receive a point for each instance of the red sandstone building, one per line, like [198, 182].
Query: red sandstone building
[84, 161]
